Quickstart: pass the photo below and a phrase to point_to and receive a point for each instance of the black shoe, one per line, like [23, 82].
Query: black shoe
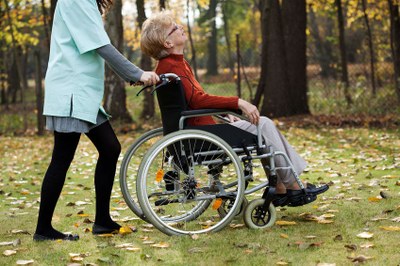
[99, 230]
[299, 198]
[68, 237]
[280, 200]
[313, 189]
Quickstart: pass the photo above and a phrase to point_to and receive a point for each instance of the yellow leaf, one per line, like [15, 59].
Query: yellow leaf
[285, 223]
[105, 235]
[374, 199]
[161, 245]
[390, 228]
[284, 236]
[324, 221]
[124, 230]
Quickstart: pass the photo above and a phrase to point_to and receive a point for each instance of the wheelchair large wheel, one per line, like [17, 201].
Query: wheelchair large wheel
[130, 166]
[181, 175]
[255, 217]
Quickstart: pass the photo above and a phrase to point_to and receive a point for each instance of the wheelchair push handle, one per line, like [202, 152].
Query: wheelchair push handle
[164, 79]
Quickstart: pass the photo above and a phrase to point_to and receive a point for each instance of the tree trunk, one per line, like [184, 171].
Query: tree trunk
[395, 42]
[192, 49]
[294, 18]
[39, 93]
[115, 95]
[162, 4]
[16, 49]
[46, 24]
[148, 110]
[274, 77]
[52, 10]
[212, 60]
[227, 38]
[323, 51]
[343, 54]
[370, 46]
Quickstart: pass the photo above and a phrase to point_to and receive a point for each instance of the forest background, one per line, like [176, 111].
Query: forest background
[338, 60]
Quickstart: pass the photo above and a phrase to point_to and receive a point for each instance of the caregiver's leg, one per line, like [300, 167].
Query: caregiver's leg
[64, 149]
[109, 148]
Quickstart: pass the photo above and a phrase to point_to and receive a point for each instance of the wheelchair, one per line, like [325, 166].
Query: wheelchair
[188, 180]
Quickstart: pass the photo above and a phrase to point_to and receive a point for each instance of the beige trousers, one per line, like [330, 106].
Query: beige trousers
[274, 138]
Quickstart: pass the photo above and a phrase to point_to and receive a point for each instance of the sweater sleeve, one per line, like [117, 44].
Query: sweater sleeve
[119, 64]
[195, 95]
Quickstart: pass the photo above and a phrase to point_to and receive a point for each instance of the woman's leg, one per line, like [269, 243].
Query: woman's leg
[109, 148]
[278, 142]
[64, 149]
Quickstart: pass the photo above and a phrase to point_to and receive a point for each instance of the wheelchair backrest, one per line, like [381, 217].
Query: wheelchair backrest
[172, 101]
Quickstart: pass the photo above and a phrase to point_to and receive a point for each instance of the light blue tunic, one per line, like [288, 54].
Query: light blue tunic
[74, 83]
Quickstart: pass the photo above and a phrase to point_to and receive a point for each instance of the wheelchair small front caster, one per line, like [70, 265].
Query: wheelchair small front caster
[227, 205]
[255, 217]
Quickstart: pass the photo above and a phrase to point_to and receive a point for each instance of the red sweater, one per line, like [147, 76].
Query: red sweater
[196, 97]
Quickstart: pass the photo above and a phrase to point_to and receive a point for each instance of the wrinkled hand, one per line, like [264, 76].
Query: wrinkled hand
[250, 111]
[149, 78]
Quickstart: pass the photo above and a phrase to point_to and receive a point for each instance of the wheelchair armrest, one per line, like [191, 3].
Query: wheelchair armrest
[202, 112]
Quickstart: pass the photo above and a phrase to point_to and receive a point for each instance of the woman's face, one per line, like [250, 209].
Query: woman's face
[176, 34]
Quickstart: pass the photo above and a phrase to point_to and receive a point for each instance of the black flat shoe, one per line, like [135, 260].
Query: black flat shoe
[68, 237]
[299, 198]
[313, 189]
[280, 200]
[99, 230]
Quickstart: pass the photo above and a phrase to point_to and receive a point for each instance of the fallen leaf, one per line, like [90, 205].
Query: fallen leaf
[338, 238]
[284, 236]
[351, 247]
[397, 219]
[390, 228]
[161, 245]
[236, 225]
[367, 245]
[124, 230]
[194, 236]
[195, 250]
[25, 262]
[365, 235]
[17, 231]
[374, 199]
[9, 252]
[360, 258]
[285, 223]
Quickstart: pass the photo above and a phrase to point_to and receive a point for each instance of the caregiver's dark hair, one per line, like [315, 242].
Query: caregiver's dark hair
[104, 5]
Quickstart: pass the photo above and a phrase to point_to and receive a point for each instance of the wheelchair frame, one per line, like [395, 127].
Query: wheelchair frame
[259, 213]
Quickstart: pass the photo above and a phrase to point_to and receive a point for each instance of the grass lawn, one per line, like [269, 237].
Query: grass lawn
[350, 223]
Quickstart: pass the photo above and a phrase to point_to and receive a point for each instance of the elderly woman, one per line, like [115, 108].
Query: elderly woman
[164, 40]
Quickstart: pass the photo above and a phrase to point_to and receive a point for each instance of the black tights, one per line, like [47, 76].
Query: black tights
[65, 144]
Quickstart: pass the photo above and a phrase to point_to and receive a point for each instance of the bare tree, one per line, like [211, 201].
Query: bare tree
[115, 94]
[192, 49]
[395, 42]
[343, 54]
[148, 110]
[370, 45]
